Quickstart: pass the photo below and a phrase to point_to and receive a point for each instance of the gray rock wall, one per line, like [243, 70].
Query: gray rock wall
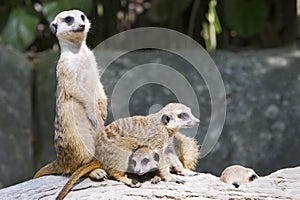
[16, 151]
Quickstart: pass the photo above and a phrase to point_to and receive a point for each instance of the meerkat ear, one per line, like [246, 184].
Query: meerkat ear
[53, 28]
[165, 119]
[156, 157]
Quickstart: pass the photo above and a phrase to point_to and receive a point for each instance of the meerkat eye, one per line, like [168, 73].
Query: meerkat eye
[82, 17]
[133, 162]
[252, 178]
[183, 116]
[145, 161]
[69, 20]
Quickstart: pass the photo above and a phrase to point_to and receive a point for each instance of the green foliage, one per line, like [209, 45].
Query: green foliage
[51, 8]
[20, 29]
[246, 16]
[212, 28]
[167, 9]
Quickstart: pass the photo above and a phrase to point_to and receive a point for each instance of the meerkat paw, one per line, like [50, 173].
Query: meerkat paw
[178, 180]
[98, 174]
[174, 179]
[130, 182]
[93, 120]
[155, 180]
[186, 172]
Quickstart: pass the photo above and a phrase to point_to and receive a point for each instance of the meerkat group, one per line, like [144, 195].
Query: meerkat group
[85, 146]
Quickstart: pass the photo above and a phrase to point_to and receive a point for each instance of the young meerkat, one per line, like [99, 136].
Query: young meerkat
[182, 159]
[80, 100]
[237, 175]
[130, 136]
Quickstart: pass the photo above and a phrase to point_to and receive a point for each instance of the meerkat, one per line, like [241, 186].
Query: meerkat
[143, 165]
[136, 135]
[144, 160]
[155, 131]
[237, 175]
[80, 100]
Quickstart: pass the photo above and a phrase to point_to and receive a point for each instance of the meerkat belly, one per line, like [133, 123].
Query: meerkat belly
[75, 135]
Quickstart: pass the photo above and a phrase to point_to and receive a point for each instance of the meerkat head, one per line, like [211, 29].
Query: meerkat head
[71, 26]
[176, 116]
[143, 160]
[238, 175]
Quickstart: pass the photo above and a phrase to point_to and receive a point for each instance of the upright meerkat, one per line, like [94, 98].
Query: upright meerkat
[238, 175]
[125, 137]
[80, 102]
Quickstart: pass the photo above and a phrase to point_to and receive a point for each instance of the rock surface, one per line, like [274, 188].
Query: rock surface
[283, 184]
[16, 151]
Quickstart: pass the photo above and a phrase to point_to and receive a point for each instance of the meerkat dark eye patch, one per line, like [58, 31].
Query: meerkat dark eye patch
[252, 178]
[133, 162]
[145, 161]
[165, 119]
[156, 157]
[183, 116]
[236, 185]
[82, 17]
[69, 20]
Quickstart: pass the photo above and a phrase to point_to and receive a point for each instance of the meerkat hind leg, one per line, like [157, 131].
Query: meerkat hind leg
[124, 179]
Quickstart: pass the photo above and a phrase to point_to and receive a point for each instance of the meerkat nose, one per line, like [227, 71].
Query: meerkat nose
[81, 27]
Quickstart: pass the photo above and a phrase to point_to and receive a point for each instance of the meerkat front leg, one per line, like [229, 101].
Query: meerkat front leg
[175, 163]
[83, 96]
[164, 171]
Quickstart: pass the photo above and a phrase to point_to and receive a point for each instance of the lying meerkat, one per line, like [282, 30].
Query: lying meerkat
[80, 100]
[237, 175]
[121, 138]
[145, 160]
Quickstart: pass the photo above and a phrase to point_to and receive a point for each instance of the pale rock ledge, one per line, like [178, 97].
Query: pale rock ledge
[283, 184]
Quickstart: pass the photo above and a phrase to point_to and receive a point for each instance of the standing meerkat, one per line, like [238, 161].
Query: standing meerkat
[124, 137]
[237, 175]
[80, 100]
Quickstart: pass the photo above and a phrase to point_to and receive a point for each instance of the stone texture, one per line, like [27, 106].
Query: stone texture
[283, 184]
[44, 107]
[16, 152]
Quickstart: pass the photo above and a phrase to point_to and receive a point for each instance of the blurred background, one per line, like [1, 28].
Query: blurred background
[254, 43]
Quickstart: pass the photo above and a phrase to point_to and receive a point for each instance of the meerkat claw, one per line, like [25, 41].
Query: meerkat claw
[179, 181]
[155, 180]
[98, 174]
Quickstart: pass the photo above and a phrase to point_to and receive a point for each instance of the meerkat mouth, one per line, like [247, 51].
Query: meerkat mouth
[81, 28]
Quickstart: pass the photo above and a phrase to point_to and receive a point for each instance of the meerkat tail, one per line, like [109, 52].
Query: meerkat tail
[49, 169]
[83, 170]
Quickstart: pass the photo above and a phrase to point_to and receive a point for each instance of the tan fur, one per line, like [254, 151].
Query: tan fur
[80, 102]
[238, 175]
[156, 131]
[187, 152]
